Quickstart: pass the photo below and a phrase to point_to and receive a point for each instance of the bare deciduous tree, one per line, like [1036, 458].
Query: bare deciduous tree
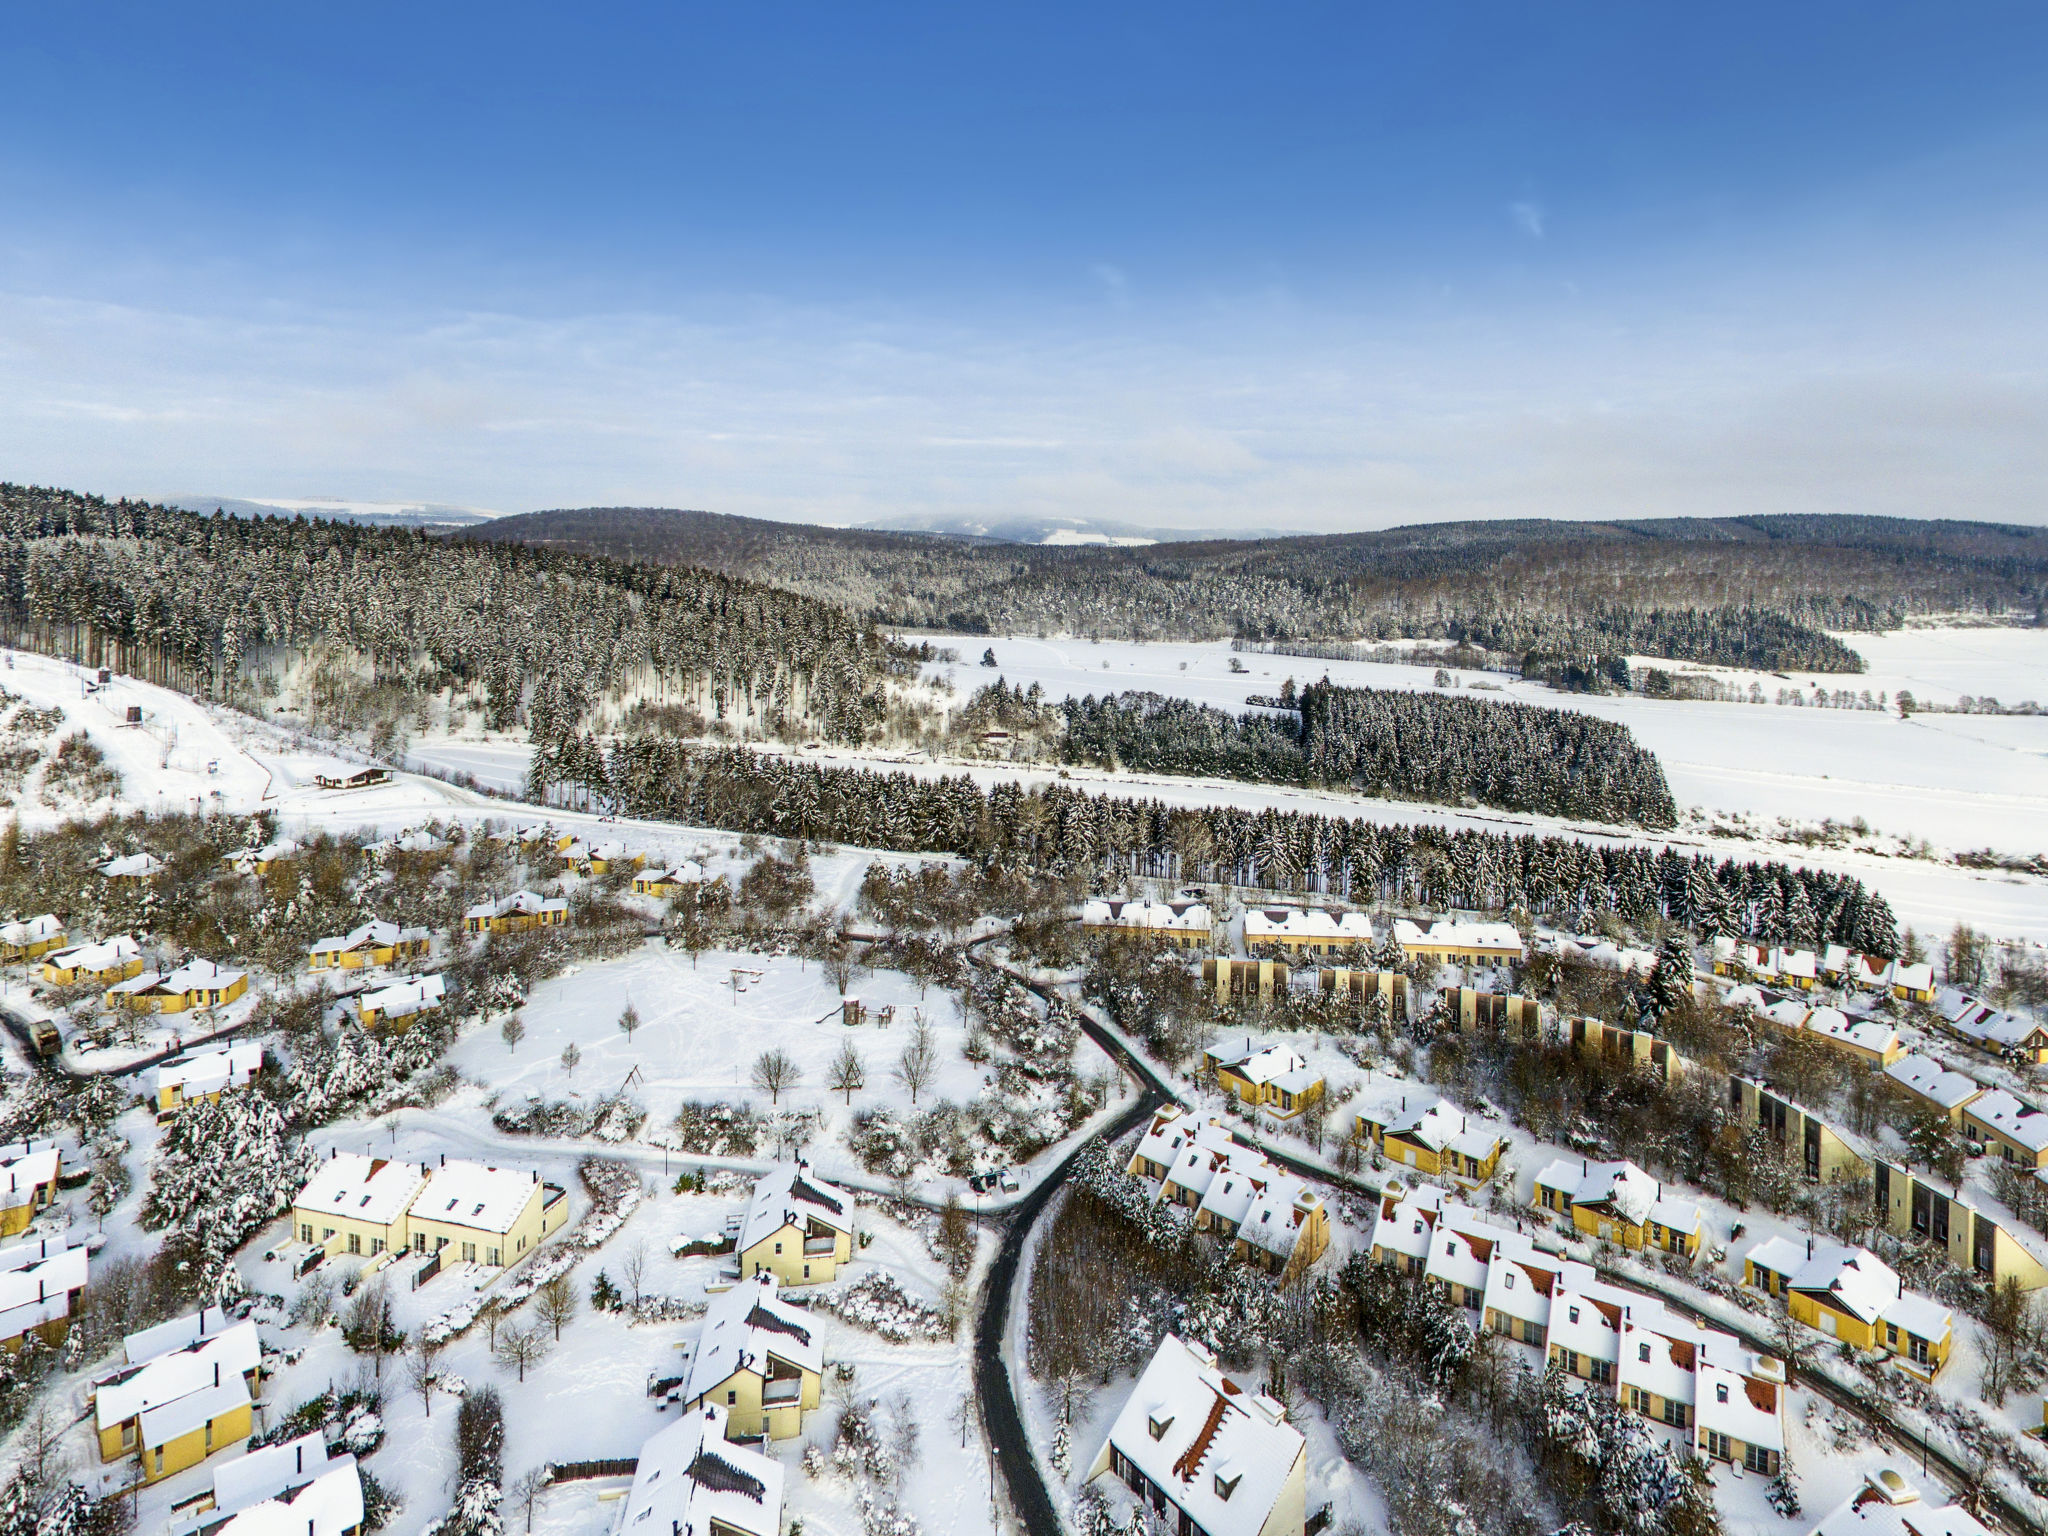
[525, 1492]
[629, 1021]
[633, 1269]
[555, 1302]
[775, 1072]
[512, 1031]
[422, 1374]
[849, 1074]
[517, 1348]
[570, 1057]
[919, 1064]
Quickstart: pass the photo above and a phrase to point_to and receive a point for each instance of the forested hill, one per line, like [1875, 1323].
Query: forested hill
[207, 604]
[1447, 749]
[1741, 591]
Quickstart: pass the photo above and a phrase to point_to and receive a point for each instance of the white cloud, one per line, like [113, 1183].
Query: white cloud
[1529, 218]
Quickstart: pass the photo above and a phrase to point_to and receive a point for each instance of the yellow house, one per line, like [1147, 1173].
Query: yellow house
[1307, 929]
[1823, 1153]
[517, 913]
[206, 1075]
[797, 1228]
[174, 1408]
[396, 1007]
[1285, 1229]
[1914, 1202]
[1460, 943]
[1187, 924]
[487, 1215]
[1620, 1203]
[105, 963]
[2017, 1132]
[1851, 1295]
[673, 881]
[357, 1205]
[1274, 1077]
[373, 943]
[195, 984]
[40, 1284]
[29, 1171]
[31, 939]
[259, 860]
[1926, 1082]
[606, 857]
[1433, 1136]
[758, 1358]
[1237, 980]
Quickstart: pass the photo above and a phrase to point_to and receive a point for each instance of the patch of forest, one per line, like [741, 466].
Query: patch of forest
[204, 604]
[1444, 748]
[1059, 829]
[1736, 591]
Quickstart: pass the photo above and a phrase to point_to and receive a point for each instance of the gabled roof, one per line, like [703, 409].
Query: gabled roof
[690, 1476]
[1492, 937]
[1313, 924]
[1930, 1080]
[33, 931]
[193, 976]
[1260, 1065]
[374, 934]
[1160, 916]
[324, 1505]
[1221, 1453]
[1745, 1408]
[519, 904]
[372, 1190]
[1890, 1506]
[404, 998]
[745, 1326]
[461, 1193]
[146, 1344]
[205, 1369]
[792, 1196]
[210, 1071]
[102, 956]
[2017, 1122]
[1855, 1280]
[268, 1471]
[132, 866]
[36, 1285]
[1630, 1193]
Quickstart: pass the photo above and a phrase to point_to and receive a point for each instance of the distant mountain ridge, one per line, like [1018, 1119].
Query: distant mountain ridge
[390, 514]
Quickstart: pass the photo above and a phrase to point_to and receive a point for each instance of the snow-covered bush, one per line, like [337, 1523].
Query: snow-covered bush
[879, 1304]
[717, 1129]
[613, 1117]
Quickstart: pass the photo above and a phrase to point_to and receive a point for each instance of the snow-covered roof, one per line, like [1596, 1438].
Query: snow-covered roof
[404, 998]
[373, 1190]
[1222, 1454]
[1623, 1188]
[689, 872]
[746, 1325]
[1741, 1407]
[1407, 1225]
[192, 976]
[1854, 1279]
[1313, 925]
[1928, 1078]
[1870, 970]
[132, 866]
[1588, 1320]
[268, 1471]
[205, 1072]
[1799, 964]
[1888, 1505]
[102, 956]
[690, 1476]
[519, 904]
[1160, 916]
[461, 1193]
[1744, 996]
[2018, 1123]
[1478, 938]
[1173, 1128]
[165, 1421]
[34, 931]
[1260, 1065]
[26, 1167]
[1864, 1034]
[36, 1285]
[1659, 1353]
[281, 848]
[327, 1504]
[374, 934]
[1920, 1315]
[1281, 1204]
[791, 1195]
[1918, 977]
[1519, 1285]
[1779, 1255]
[146, 1344]
[205, 1366]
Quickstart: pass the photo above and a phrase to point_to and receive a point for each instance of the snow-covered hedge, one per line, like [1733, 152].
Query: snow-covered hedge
[880, 1305]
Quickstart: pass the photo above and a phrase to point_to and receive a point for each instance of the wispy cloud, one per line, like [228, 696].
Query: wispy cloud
[1529, 218]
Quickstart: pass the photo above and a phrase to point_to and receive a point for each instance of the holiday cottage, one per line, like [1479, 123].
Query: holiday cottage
[797, 1228]
[398, 1005]
[32, 939]
[195, 984]
[1852, 1295]
[1998, 1122]
[206, 1075]
[29, 1171]
[1206, 1456]
[1272, 1219]
[675, 880]
[1620, 1203]
[520, 912]
[188, 1390]
[40, 1283]
[259, 860]
[373, 943]
[1432, 1136]
[295, 1488]
[759, 1359]
[1927, 1083]
[690, 1480]
[1274, 1077]
[605, 857]
[133, 866]
[102, 964]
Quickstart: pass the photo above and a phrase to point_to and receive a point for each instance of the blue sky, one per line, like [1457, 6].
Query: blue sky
[1232, 267]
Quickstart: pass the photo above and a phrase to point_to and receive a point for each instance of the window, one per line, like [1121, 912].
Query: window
[1720, 1392]
[127, 1434]
[209, 1437]
[1575, 1314]
[1674, 1414]
[469, 1253]
[355, 1242]
[376, 1246]
[1756, 1459]
[1639, 1400]
[1159, 1427]
[1601, 1371]
[1225, 1487]
[326, 1234]
[1643, 1353]
[1719, 1446]
[306, 1233]
[731, 1398]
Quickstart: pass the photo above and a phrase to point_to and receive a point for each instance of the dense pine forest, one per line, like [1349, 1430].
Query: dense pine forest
[1736, 591]
[1063, 830]
[210, 604]
[1445, 748]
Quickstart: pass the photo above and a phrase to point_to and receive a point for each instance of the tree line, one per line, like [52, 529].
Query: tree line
[204, 604]
[1058, 829]
[1445, 748]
